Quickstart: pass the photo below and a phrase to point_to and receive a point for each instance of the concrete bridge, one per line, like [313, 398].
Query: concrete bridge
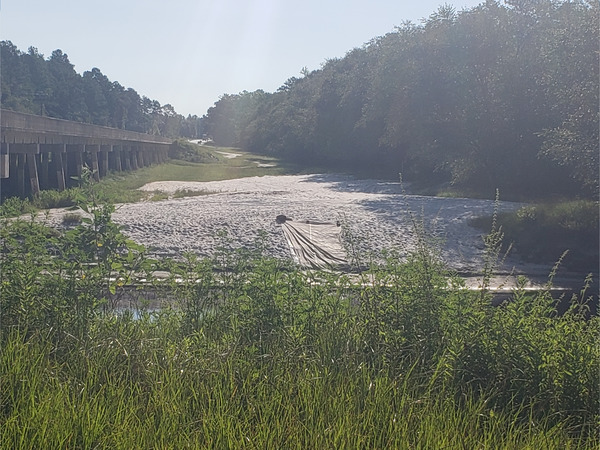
[44, 153]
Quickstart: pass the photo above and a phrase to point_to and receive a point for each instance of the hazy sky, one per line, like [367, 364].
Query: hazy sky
[189, 52]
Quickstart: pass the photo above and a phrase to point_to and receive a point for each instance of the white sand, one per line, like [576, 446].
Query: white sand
[377, 213]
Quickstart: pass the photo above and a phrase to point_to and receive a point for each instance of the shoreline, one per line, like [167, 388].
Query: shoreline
[378, 216]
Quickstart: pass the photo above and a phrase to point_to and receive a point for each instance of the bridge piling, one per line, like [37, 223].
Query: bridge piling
[34, 181]
[57, 156]
[127, 158]
[44, 159]
[117, 158]
[92, 151]
[4, 161]
[103, 160]
[20, 174]
[78, 164]
[140, 158]
[134, 159]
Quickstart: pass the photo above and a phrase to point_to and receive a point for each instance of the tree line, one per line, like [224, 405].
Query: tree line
[32, 83]
[503, 95]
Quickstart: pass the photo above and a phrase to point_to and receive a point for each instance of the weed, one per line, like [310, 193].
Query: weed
[542, 233]
[71, 219]
[254, 352]
[14, 206]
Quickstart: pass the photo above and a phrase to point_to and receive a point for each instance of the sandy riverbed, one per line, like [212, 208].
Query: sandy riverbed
[378, 214]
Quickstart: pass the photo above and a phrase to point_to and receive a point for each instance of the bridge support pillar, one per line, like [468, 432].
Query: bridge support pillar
[27, 154]
[117, 158]
[92, 153]
[78, 165]
[21, 174]
[59, 165]
[103, 160]
[61, 182]
[13, 160]
[4, 161]
[140, 157]
[34, 181]
[126, 152]
[44, 169]
[134, 158]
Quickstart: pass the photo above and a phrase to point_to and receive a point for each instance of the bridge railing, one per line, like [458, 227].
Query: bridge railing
[20, 128]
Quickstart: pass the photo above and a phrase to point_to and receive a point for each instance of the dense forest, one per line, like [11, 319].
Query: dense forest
[503, 95]
[50, 86]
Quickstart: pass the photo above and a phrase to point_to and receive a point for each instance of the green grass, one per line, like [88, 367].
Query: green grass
[173, 396]
[250, 352]
[123, 187]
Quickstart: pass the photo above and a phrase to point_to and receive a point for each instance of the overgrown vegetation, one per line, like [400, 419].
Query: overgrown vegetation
[185, 150]
[14, 206]
[543, 232]
[246, 350]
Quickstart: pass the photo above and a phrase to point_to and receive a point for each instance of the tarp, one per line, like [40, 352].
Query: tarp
[317, 245]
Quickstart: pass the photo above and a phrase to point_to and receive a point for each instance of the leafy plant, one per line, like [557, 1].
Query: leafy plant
[14, 206]
[248, 349]
[188, 151]
[543, 232]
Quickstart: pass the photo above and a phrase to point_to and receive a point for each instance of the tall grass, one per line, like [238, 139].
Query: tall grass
[250, 352]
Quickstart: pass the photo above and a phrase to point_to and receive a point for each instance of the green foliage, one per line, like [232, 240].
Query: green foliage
[50, 86]
[15, 206]
[55, 282]
[188, 151]
[252, 350]
[72, 219]
[496, 96]
[56, 199]
[543, 232]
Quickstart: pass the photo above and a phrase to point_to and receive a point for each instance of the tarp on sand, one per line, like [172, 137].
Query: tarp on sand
[317, 245]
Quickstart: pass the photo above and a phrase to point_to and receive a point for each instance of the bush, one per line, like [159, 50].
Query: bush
[15, 206]
[72, 219]
[252, 349]
[542, 233]
[56, 199]
[188, 151]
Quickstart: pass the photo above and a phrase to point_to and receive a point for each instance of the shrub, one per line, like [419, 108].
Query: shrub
[542, 233]
[15, 206]
[188, 151]
[72, 219]
[56, 199]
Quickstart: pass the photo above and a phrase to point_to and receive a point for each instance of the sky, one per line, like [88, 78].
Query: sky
[190, 52]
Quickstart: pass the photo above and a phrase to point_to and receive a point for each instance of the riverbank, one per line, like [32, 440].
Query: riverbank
[378, 215]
